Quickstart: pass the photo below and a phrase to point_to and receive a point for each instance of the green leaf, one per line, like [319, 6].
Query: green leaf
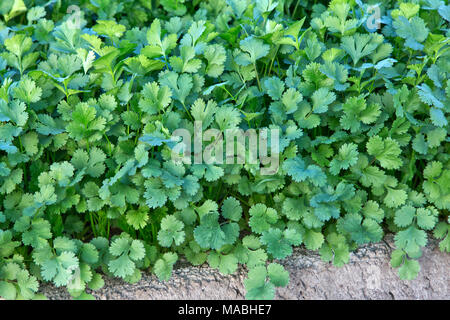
[7, 290]
[297, 169]
[357, 112]
[171, 232]
[216, 56]
[231, 209]
[313, 240]
[137, 218]
[210, 234]
[361, 45]
[255, 49]
[15, 112]
[395, 197]
[414, 31]
[404, 216]
[27, 91]
[435, 137]
[347, 157]
[109, 28]
[60, 268]
[409, 270]
[360, 231]
[373, 211]
[256, 285]
[204, 112]
[277, 275]
[426, 218]
[158, 46]
[18, 44]
[277, 245]
[127, 253]
[154, 98]
[227, 264]
[419, 144]
[410, 240]
[290, 99]
[85, 123]
[164, 266]
[386, 151]
[321, 99]
[186, 62]
[37, 232]
[261, 218]
[35, 13]
[335, 249]
[274, 87]
[427, 95]
[7, 246]
[442, 231]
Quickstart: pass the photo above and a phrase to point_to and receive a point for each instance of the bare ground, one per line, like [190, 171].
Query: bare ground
[368, 275]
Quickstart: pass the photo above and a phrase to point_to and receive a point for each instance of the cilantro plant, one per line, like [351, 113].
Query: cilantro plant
[90, 97]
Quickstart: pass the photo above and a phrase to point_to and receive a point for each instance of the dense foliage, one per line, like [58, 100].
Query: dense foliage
[91, 93]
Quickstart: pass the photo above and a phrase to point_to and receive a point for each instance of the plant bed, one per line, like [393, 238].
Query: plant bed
[221, 132]
[368, 275]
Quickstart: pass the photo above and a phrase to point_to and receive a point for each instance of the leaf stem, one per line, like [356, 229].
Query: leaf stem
[109, 144]
[257, 77]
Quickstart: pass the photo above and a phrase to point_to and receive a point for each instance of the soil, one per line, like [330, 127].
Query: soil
[368, 275]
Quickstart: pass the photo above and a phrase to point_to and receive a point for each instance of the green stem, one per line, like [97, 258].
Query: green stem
[154, 234]
[187, 111]
[128, 127]
[109, 144]
[232, 97]
[411, 168]
[24, 168]
[137, 135]
[112, 76]
[257, 77]
[295, 9]
[241, 200]
[20, 144]
[92, 224]
[165, 60]
[271, 62]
